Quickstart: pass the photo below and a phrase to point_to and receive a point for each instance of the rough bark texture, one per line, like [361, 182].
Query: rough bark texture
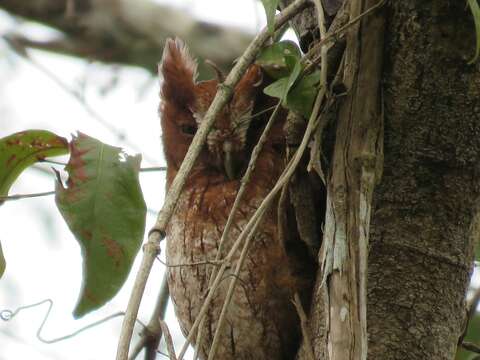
[128, 32]
[423, 225]
[356, 168]
[425, 215]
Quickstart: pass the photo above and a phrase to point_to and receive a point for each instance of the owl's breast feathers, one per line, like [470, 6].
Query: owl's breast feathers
[261, 320]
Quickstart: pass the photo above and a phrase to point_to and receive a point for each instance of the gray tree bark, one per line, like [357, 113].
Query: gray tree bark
[425, 216]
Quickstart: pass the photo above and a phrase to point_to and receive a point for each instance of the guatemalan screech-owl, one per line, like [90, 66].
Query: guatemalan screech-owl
[261, 321]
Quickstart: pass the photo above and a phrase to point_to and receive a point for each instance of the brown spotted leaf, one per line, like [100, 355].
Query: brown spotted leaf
[20, 150]
[104, 207]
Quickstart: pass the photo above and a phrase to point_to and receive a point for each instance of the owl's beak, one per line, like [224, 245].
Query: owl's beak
[228, 161]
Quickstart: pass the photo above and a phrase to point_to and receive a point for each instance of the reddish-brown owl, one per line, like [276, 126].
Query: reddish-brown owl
[261, 321]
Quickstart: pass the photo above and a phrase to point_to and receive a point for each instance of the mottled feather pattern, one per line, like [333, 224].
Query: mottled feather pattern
[261, 321]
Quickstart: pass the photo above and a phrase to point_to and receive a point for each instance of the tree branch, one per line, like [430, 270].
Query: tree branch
[130, 32]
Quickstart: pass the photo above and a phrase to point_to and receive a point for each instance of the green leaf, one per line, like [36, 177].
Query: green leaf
[273, 58]
[2, 262]
[297, 69]
[20, 150]
[281, 87]
[302, 96]
[270, 7]
[104, 207]
[475, 9]
[277, 88]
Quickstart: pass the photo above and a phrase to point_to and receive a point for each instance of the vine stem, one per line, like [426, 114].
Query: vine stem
[332, 37]
[157, 233]
[244, 182]
[256, 218]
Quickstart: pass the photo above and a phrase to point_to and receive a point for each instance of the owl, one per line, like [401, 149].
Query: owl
[261, 322]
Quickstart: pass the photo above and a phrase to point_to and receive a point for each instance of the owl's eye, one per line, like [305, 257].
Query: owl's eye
[189, 130]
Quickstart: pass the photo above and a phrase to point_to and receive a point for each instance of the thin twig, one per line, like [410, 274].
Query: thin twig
[252, 222]
[158, 232]
[257, 216]
[163, 354]
[335, 35]
[145, 169]
[233, 282]
[471, 347]
[263, 111]
[153, 331]
[153, 168]
[25, 196]
[168, 340]
[316, 148]
[121, 136]
[47, 193]
[323, 35]
[7, 315]
[239, 197]
[196, 263]
[139, 346]
[304, 325]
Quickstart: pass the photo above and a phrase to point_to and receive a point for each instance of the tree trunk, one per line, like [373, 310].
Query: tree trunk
[425, 210]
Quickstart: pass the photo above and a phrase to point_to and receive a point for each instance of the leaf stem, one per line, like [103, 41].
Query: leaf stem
[25, 196]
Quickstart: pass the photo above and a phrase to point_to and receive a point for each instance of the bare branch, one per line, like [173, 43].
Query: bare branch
[168, 340]
[25, 196]
[125, 32]
[471, 347]
[153, 331]
[121, 136]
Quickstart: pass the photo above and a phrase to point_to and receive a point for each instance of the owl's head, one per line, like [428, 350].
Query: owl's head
[184, 102]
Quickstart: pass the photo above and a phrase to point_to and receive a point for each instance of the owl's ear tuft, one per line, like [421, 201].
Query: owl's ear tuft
[178, 70]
